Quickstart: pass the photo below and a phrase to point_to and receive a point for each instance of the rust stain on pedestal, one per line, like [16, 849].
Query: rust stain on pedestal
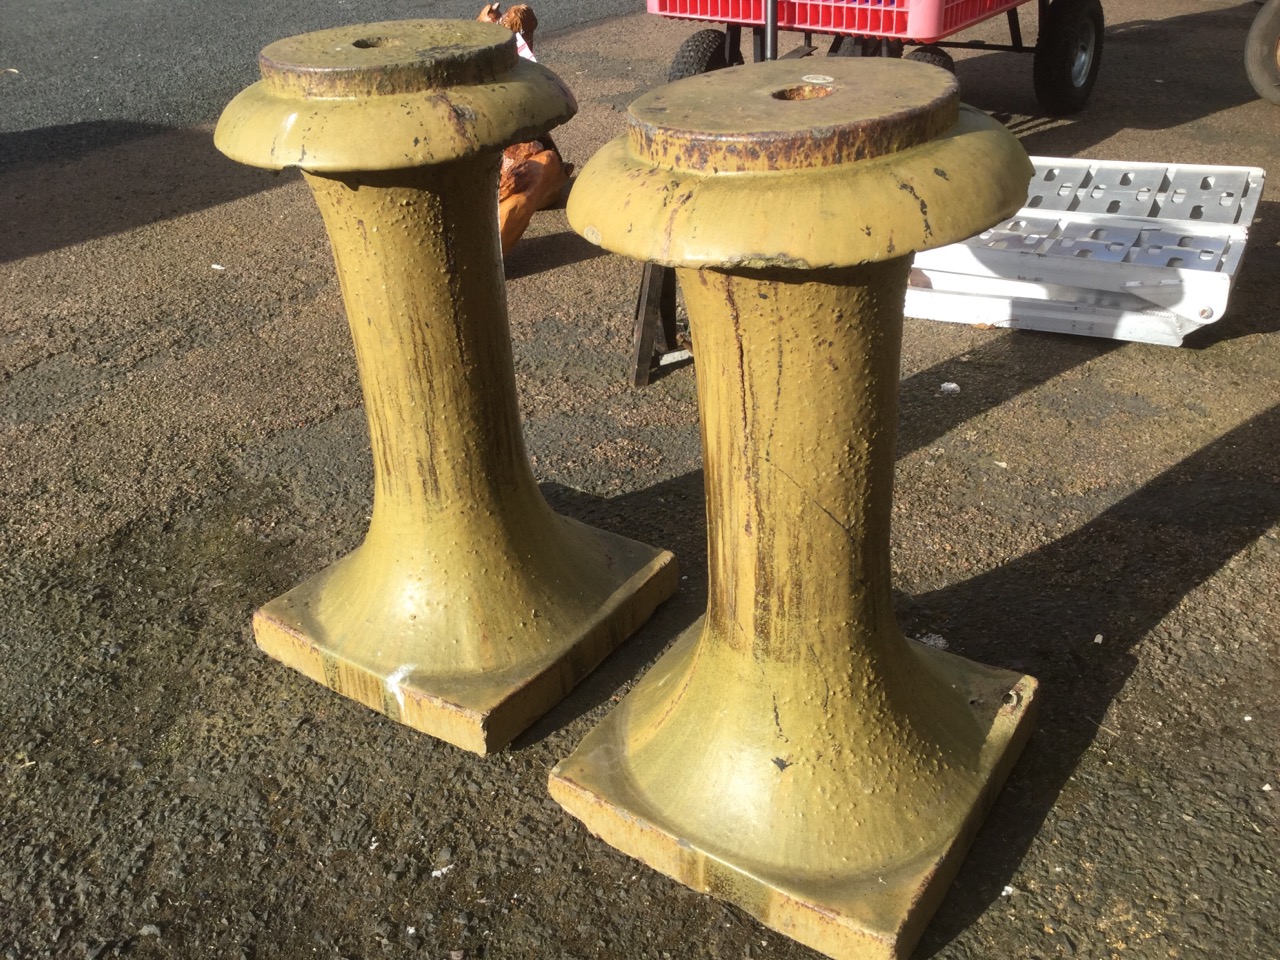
[794, 753]
[471, 607]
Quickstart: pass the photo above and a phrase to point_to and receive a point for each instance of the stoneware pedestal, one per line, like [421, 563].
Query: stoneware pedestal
[793, 753]
[470, 608]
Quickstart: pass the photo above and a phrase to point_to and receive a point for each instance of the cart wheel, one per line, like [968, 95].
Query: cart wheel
[845, 47]
[701, 53]
[1262, 52]
[867, 47]
[1068, 54]
[934, 56]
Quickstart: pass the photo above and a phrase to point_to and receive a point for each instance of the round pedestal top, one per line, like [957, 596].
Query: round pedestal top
[391, 96]
[793, 114]
[374, 59]
[799, 164]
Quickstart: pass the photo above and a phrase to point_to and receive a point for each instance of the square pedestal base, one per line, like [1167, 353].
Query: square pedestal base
[480, 712]
[863, 917]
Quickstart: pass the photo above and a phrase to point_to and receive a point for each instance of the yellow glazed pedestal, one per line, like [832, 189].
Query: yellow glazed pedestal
[793, 753]
[471, 607]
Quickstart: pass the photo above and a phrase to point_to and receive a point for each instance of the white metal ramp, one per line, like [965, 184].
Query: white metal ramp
[1130, 251]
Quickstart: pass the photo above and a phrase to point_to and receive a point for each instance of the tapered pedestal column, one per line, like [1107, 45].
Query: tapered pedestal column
[793, 753]
[471, 607]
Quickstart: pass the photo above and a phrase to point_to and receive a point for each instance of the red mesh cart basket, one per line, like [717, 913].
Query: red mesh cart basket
[923, 21]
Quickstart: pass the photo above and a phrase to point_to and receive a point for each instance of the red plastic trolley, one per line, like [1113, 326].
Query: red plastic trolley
[921, 20]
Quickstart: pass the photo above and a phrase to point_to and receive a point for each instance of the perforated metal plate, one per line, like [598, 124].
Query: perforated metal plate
[1165, 239]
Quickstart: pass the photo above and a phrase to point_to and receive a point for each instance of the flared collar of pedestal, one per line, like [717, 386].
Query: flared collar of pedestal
[387, 96]
[799, 163]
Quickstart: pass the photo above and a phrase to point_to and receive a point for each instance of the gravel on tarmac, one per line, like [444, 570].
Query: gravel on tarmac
[180, 442]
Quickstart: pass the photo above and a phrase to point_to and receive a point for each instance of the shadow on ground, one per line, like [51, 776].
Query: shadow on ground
[65, 185]
[539, 254]
[1123, 573]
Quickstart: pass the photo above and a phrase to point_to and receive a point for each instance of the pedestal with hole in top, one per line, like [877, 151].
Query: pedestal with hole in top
[471, 607]
[793, 753]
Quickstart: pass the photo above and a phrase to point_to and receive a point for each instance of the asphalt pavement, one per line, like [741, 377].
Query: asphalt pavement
[182, 438]
[87, 72]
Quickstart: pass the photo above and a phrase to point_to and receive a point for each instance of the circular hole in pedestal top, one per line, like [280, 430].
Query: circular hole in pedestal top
[780, 116]
[806, 91]
[365, 43]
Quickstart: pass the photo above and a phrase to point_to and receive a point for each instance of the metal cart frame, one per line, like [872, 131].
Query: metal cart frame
[765, 38]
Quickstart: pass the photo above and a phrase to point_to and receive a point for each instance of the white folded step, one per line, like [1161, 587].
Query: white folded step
[1130, 251]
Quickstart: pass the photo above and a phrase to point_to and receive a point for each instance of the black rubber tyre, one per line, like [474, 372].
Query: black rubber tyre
[1262, 52]
[1068, 54]
[849, 47]
[701, 53]
[934, 56]
[868, 47]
